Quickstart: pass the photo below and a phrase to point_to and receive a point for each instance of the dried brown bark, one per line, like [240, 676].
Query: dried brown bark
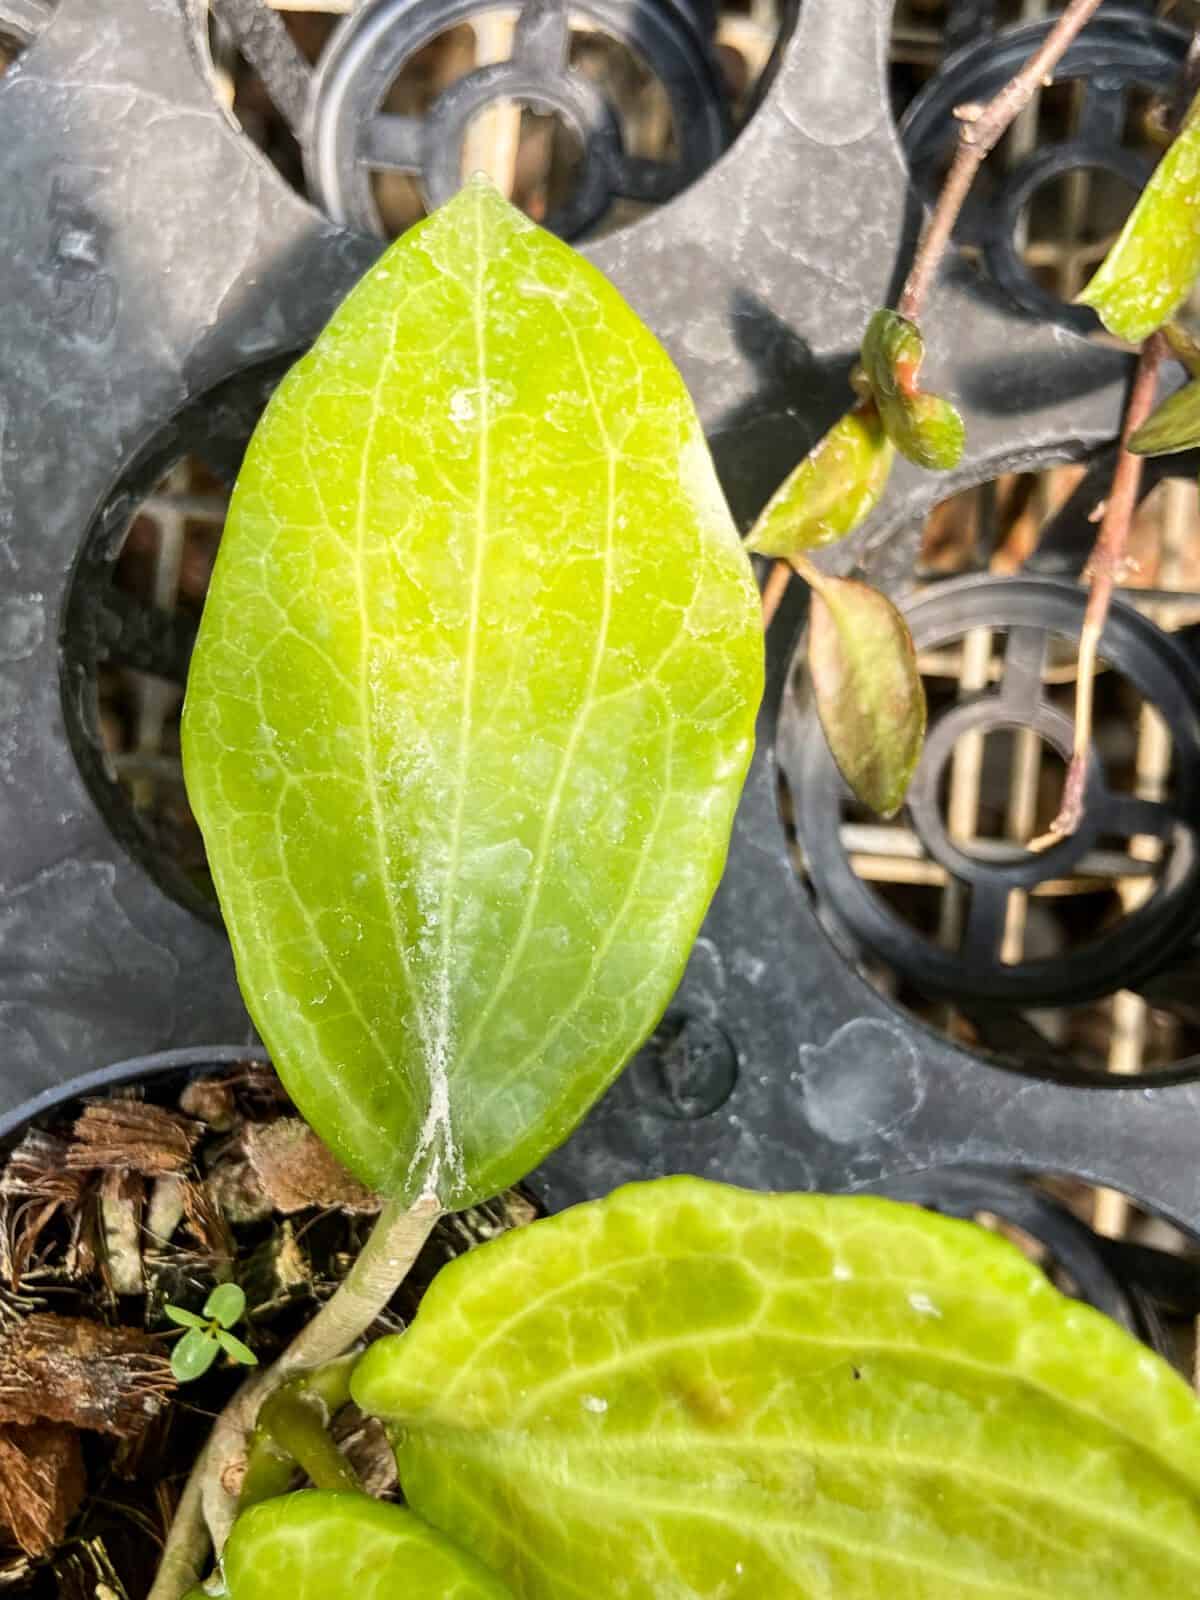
[42, 1483]
[70, 1370]
[35, 1185]
[128, 1134]
[296, 1170]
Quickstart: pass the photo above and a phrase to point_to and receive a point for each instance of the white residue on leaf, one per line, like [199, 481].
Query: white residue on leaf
[462, 407]
[501, 868]
[436, 1158]
[465, 403]
[435, 1144]
[535, 289]
[842, 1272]
[923, 1305]
[593, 1403]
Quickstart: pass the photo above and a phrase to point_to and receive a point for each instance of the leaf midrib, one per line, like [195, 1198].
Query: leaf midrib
[367, 721]
[533, 889]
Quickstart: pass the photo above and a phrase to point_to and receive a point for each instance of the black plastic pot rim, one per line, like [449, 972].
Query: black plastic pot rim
[119, 1073]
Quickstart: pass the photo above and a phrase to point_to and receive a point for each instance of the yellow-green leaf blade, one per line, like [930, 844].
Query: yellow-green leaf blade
[1174, 426]
[867, 689]
[1156, 259]
[471, 704]
[329, 1545]
[833, 490]
[924, 427]
[717, 1392]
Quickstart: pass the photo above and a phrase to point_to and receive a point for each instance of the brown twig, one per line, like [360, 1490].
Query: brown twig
[1104, 570]
[774, 590]
[981, 130]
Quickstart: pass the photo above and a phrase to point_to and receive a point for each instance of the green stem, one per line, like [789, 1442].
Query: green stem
[290, 1432]
[298, 1428]
[211, 1493]
[269, 1470]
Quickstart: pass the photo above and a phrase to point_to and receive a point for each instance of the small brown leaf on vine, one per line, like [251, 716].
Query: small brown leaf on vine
[867, 689]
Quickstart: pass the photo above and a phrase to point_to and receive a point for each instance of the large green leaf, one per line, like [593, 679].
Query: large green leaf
[1156, 258]
[471, 705]
[326, 1545]
[833, 490]
[690, 1390]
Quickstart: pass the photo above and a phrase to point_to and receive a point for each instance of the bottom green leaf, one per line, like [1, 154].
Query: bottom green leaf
[688, 1390]
[867, 689]
[318, 1545]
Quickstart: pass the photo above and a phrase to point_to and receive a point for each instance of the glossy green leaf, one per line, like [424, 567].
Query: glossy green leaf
[227, 1303]
[471, 704]
[234, 1348]
[185, 1319]
[689, 1390]
[1174, 426]
[923, 427]
[833, 490]
[326, 1545]
[866, 687]
[192, 1356]
[1156, 259]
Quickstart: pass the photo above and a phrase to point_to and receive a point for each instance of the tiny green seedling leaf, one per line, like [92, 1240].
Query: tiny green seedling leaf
[208, 1334]
[185, 1319]
[471, 704]
[691, 1390]
[226, 1304]
[866, 686]
[833, 490]
[1154, 263]
[193, 1355]
[924, 427]
[1174, 426]
[234, 1348]
[327, 1545]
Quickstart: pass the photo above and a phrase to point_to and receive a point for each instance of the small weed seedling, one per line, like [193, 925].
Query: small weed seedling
[209, 1334]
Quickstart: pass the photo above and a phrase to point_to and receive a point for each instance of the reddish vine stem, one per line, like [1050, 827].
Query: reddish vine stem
[1105, 567]
[774, 589]
[980, 132]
